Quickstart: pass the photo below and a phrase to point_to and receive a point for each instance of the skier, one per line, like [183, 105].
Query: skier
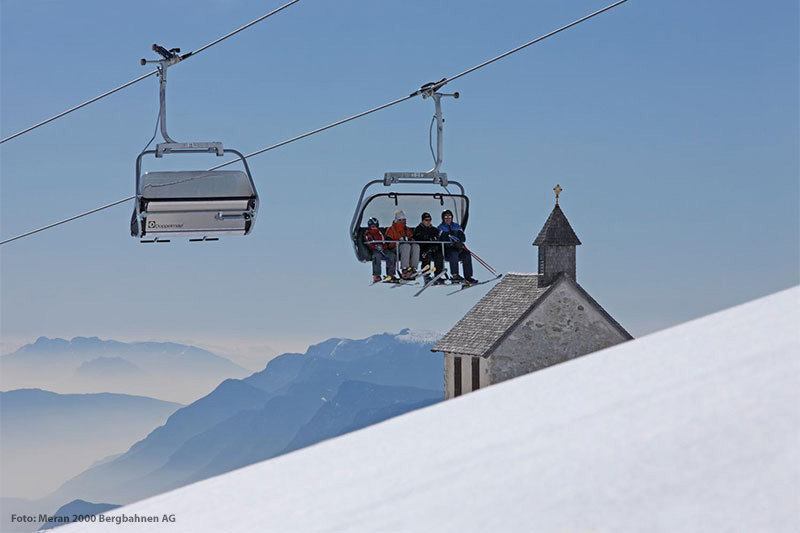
[455, 251]
[408, 252]
[426, 231]
[380, 252]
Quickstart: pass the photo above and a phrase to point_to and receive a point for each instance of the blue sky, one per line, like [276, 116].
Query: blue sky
[671, 126]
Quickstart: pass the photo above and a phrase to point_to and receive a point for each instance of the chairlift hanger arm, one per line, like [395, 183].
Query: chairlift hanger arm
[428, 90]
[171, 57]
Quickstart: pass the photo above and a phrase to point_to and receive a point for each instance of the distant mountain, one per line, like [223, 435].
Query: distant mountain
[356, 405]
[66, 512]
[164, 370]
[47, 438]
[402, 359]
[298, 399]
[109, 367]
[229, 398]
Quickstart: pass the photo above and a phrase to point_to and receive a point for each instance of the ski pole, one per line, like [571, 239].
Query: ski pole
[481, 261]
[484, 264]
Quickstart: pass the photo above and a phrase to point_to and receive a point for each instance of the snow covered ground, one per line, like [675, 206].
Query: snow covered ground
[694, 428]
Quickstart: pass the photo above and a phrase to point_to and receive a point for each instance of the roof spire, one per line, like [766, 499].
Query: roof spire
[557, 230]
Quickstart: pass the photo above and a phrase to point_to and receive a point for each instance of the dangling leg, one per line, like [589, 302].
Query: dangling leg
[452, 258]
[466, 261]
[414, 262]
[391, 260]
[377, 257]
[404, 250]
[438, 259]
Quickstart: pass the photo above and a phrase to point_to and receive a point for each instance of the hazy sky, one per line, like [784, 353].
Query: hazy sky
[671, 126]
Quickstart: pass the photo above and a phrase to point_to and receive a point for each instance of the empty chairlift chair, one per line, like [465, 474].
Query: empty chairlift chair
[203, 204]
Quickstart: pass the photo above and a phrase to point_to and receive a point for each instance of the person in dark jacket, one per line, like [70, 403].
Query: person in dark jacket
[455, 251]
[426, 231]
[380, 251]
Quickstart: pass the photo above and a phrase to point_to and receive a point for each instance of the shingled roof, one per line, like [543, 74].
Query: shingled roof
[557, 231]
[478, 331]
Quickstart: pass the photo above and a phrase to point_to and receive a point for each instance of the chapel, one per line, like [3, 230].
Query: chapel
[528, 321]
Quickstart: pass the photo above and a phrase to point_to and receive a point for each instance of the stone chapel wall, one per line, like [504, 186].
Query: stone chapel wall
[562, 327]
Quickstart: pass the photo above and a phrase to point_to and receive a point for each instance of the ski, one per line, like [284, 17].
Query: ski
[385, 279]
[431, 282]
[466, 286]
[422, 272]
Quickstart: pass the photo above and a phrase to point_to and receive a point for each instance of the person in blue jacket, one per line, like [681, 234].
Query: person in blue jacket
[454, 252]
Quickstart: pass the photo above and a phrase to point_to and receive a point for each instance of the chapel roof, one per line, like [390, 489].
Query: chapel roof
[478, 331]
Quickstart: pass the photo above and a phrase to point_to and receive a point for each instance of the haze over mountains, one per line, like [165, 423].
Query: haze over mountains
[47, 438]
[337, 386]
[298, 399]
[163, 370]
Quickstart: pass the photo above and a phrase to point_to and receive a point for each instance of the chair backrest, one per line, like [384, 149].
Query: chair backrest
[383, 206]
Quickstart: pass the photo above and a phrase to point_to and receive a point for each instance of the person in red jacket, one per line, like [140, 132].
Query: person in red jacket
[408, 251]
[380, 251]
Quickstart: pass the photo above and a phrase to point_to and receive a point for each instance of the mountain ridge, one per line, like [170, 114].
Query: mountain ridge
[164, 370]
[248, 420]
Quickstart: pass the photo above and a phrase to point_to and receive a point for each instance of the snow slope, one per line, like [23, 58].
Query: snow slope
[694, 428]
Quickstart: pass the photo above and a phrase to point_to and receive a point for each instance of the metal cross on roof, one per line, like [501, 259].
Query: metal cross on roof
[558, 190]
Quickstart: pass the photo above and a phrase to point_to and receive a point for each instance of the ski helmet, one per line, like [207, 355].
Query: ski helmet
[425, 215]
[447, 212]
[373, 222]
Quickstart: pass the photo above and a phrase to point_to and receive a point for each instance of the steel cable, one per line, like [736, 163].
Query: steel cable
[343, 121]
[145, 76]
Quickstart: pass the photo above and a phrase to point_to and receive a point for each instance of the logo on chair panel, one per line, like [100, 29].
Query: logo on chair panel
[152, 224]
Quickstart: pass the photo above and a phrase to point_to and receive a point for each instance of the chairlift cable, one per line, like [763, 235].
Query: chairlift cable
[70, 110]
[293, 139]
[54, 224]
[318, 130]
[436, 85]
[234, 32]
[529, 43]
[334, 124]
[145, 76]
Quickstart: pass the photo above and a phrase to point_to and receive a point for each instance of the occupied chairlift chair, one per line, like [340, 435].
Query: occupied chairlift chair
[383, 205]
[203, 204]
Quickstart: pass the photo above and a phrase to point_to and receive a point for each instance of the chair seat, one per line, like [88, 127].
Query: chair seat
[196, 184]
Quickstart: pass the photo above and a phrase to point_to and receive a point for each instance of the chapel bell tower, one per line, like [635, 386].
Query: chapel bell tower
[556, 242]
